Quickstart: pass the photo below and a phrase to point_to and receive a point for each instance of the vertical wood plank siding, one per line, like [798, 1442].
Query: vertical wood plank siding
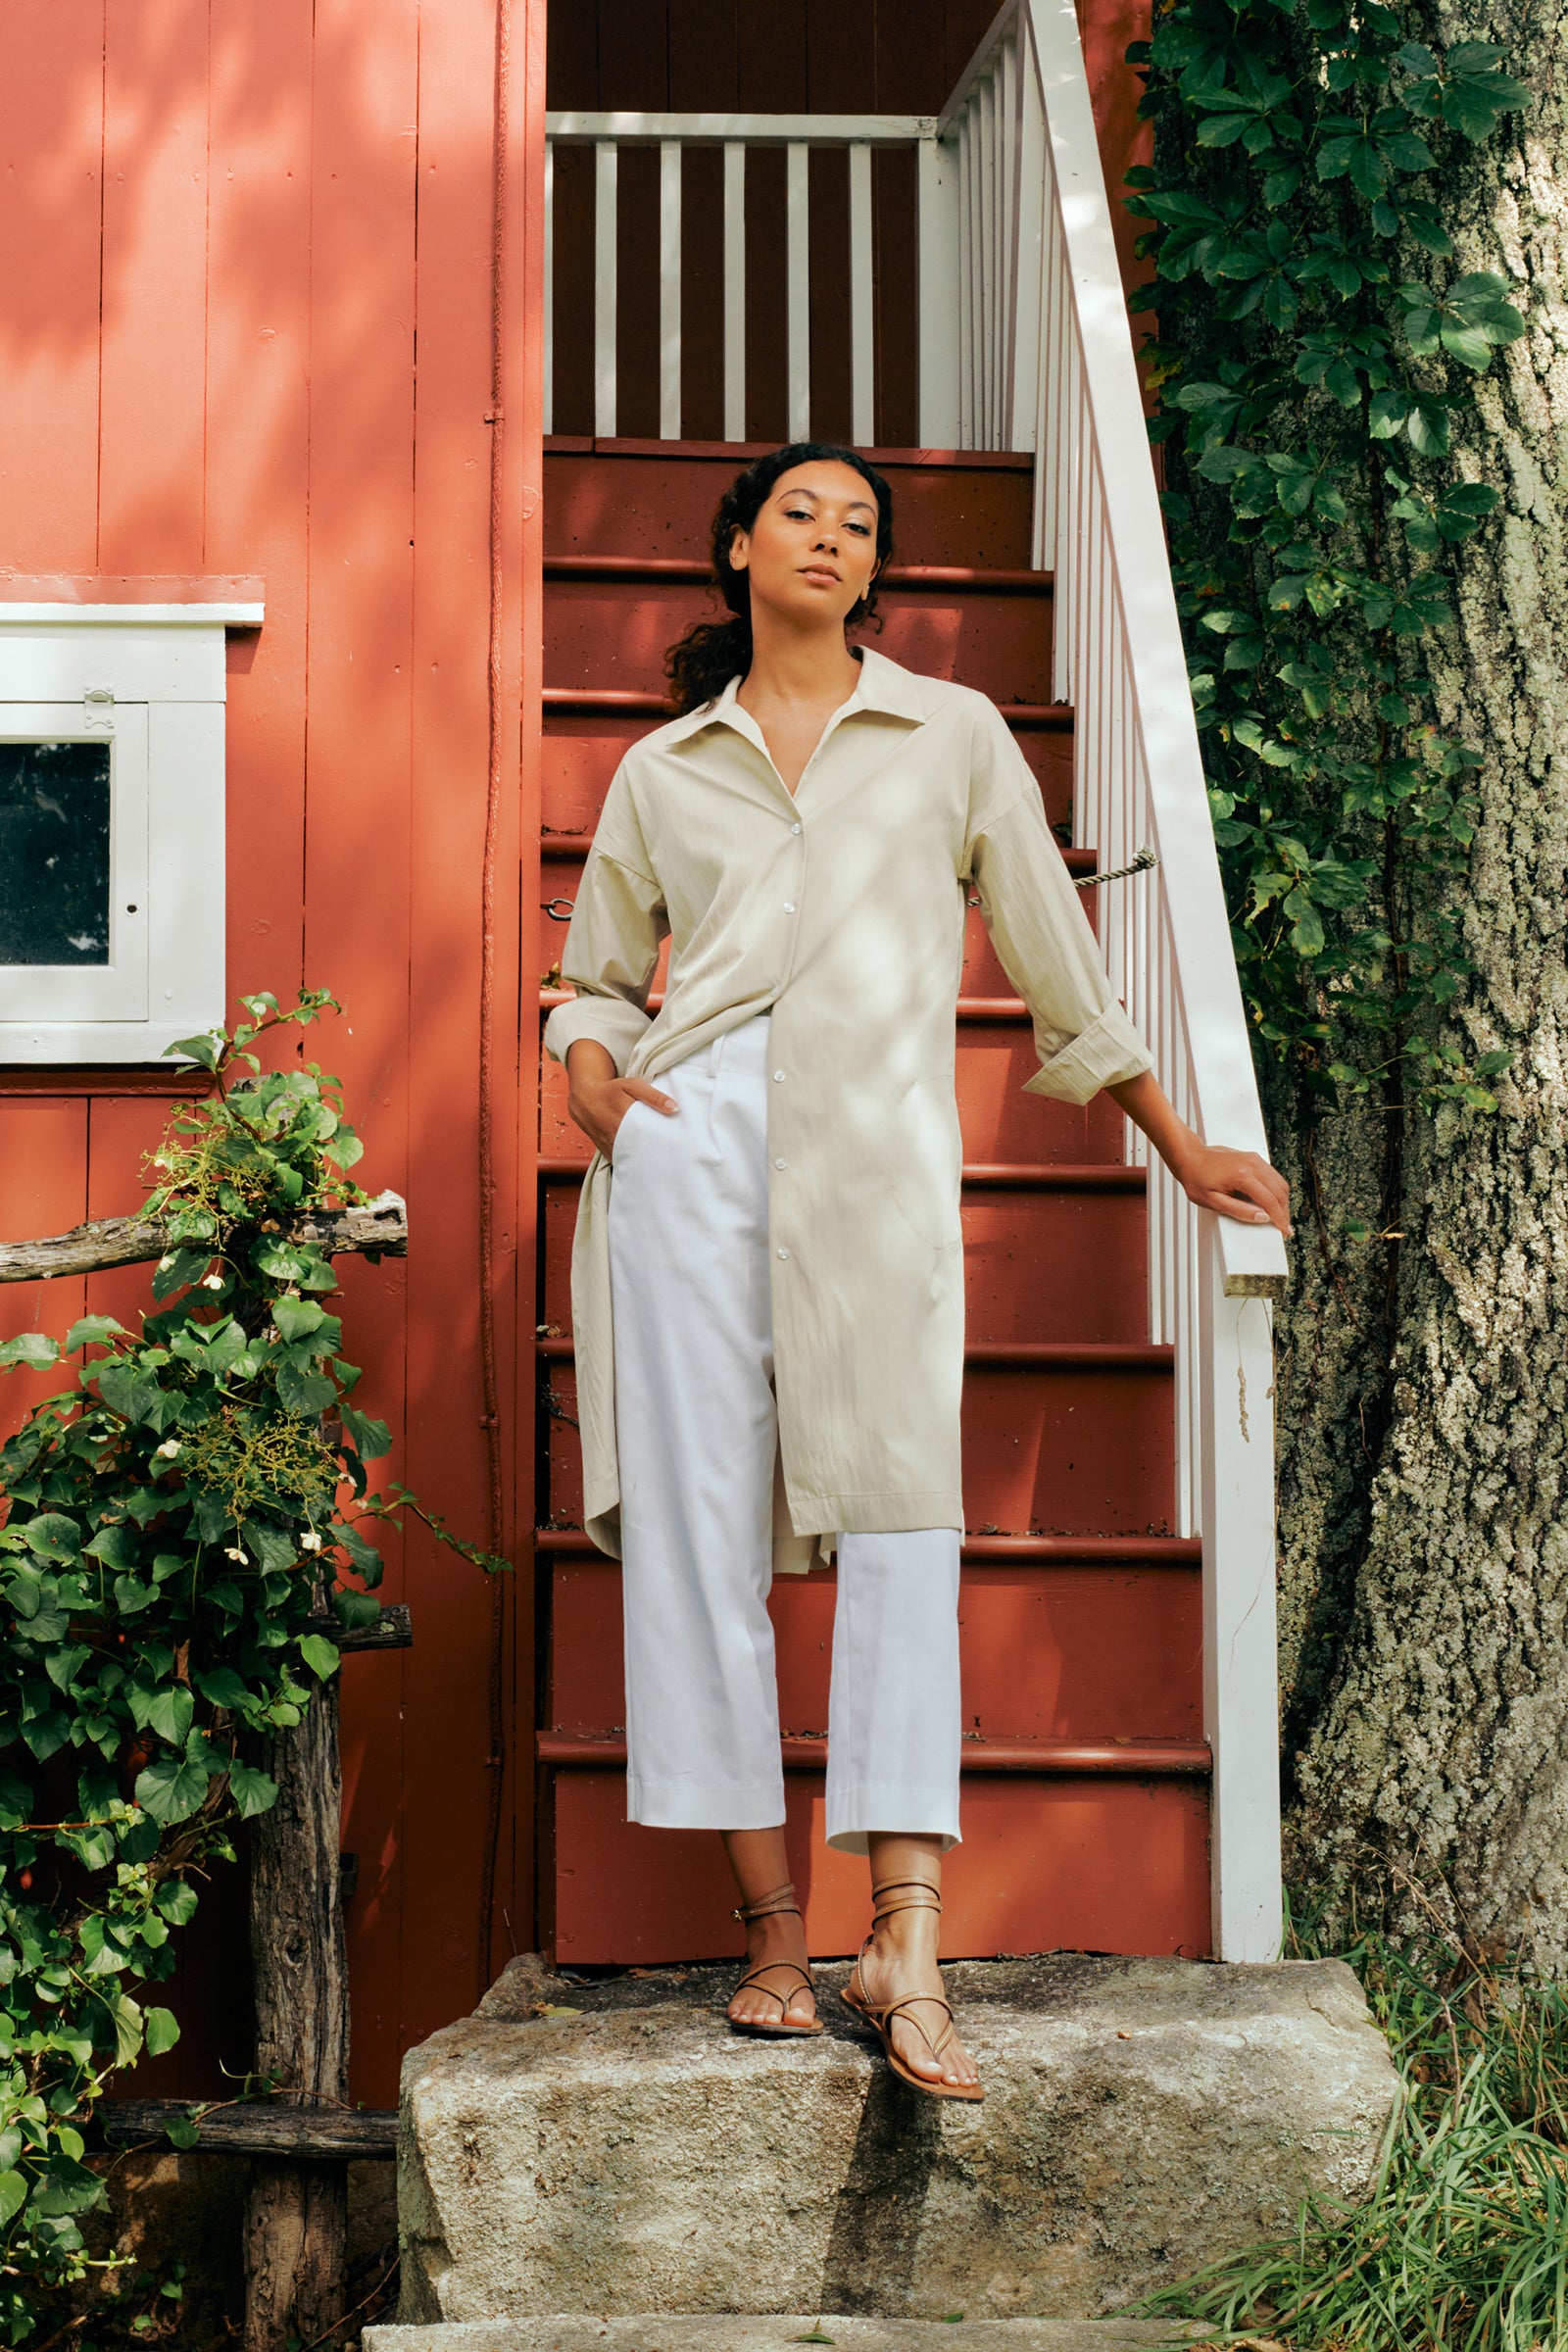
[276, 360]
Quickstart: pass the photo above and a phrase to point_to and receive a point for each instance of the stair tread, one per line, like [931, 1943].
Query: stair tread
[997, 580]
[1122, 1757]
[723, 2331]
[990, 1551]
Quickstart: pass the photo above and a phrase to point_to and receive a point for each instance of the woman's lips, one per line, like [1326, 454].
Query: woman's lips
[819, 571]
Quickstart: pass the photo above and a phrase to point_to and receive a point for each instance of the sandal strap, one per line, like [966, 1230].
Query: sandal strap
[767, 1904]
[754, 1976]
[899, 2008]
[917, 1894]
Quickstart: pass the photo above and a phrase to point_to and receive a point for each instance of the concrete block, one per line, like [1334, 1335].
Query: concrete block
[666, 2331]
[614, 2148]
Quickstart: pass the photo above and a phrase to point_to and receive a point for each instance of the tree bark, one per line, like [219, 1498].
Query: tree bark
[296, 2224]
[1424, 1378]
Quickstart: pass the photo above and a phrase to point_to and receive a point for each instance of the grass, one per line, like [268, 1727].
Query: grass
[1462, 2243]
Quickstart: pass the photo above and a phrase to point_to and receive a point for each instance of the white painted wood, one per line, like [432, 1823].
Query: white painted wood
[798, 289]
[751, 130]
[158, 699]
[669, 290]
[1240, 1706]
[937, 199]
[986, 303]
[862, 318]
[735, 291]
[62, 615]
[1029, 275]
[605, 214]
[550, 289]
[968, 304]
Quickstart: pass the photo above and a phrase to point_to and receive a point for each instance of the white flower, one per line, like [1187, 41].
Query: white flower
[163, 1264]
[311, 1540]
[168, 1450]
[235, 1551]
[211, 1282]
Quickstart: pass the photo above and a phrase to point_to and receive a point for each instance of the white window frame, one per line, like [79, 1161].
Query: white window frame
[151, 678]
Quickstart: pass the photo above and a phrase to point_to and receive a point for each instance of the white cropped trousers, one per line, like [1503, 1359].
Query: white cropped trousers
[696, 1435]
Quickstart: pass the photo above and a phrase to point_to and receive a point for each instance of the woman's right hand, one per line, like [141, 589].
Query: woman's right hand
[598, 1101]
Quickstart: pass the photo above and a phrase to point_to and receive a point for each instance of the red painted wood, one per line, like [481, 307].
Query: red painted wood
[949, 508]
[51, 199]
[1092, 1865]
[1086, 1653]
[1037, 1265]
[1058, 1449]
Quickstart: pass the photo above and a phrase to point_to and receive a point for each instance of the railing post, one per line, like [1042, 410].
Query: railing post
[1240, 1657]
[606, 217]
[940, 327]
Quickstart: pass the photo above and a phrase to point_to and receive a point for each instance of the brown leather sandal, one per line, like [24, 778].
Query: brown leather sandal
[917, 1895]
[786, 2025]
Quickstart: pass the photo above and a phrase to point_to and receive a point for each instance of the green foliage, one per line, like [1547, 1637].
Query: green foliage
[1463, 2240]
[175, 1519]
[1317, 352]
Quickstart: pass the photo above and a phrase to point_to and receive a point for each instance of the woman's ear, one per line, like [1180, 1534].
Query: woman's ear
[739, 543]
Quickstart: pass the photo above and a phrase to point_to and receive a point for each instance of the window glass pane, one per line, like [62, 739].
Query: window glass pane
[53, 852]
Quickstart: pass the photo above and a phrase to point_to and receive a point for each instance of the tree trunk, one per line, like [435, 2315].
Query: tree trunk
[1424, 1378]
[296, 2225]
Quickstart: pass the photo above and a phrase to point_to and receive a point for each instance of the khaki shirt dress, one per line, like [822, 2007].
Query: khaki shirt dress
[840, 911]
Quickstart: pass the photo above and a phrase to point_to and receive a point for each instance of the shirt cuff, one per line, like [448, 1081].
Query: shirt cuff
[609, 1020]
[1109, 1051]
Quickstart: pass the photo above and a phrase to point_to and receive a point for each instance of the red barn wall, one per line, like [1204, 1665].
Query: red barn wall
[248, 330]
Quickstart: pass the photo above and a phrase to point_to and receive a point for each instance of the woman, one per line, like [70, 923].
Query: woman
[769, 1292]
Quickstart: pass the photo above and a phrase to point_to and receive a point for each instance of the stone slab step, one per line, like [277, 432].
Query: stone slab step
[609, 2144]
[715, 2331]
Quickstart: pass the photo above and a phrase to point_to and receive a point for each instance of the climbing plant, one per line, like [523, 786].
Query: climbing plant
[184, 1523]
[1317, 347]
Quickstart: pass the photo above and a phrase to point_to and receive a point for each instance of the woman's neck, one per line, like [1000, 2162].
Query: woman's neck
[791, 665]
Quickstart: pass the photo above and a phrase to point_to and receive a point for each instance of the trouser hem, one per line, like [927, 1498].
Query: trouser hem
[704, 1805]
[890, 1809]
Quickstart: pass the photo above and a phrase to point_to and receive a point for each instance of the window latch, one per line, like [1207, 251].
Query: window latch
[98, 705]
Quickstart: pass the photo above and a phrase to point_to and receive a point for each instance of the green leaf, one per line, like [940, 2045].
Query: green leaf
[93, 1331]
[296, 1318]
[371, 1438]
[161, 2029]
[302, 1391]
[13, 2195]
[31, 1348]
[252, 1791]
[219, 1686]
[172, 1787]
[355, 1609]
[319, 1654]
[176, 1900]
[53, 1536]
[182, 2133]
[204, 1048]
[169, 1714]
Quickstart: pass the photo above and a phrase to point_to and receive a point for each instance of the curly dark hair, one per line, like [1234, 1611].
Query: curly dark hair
[701, 664]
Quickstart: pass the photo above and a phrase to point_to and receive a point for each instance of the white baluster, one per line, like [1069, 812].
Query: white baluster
[669, 290]
[862, 334]
[550, 288]
[968, 318]
[605, 223]
[937, 190]
[734, 291]
[798, 289]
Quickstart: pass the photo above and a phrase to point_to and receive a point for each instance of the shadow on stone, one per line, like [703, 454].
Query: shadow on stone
[879, 2213]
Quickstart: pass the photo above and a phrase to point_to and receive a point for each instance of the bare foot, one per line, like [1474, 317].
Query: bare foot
[779, 1936]
[900, 1960]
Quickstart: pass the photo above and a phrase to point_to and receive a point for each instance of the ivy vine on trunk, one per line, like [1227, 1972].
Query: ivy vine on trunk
[1314, 357]
[173, 1522]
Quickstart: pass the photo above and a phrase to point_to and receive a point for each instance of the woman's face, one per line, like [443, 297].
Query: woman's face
[812, 551]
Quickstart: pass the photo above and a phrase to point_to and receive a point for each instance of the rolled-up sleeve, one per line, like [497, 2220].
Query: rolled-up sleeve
[1039, 928]
[613, 941]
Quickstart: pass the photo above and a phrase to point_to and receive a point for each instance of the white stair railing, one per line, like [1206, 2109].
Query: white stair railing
[1045, 362]
[1024, 344]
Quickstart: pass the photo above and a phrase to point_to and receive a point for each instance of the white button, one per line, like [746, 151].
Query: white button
[781, 1163]
[795, 828]
[783, 1254]
[788, 905]
[777, 1075]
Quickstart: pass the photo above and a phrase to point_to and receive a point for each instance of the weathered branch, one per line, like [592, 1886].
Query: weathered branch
[392, 1630]
[278, 2128]
[380, 1229]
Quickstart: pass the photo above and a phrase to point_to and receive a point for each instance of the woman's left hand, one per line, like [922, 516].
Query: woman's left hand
[1237, 1184]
